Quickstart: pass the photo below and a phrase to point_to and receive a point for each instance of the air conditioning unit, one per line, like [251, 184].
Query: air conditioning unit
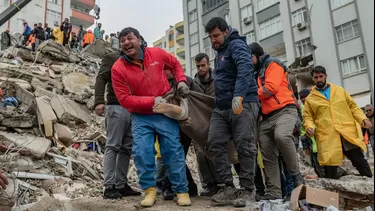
[56, 23]
[247, 20]
[301, 26]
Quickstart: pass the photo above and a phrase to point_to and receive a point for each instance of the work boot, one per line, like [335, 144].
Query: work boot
[111, 193]
[183, 199]
[298, 180]
[168, 194]
[259, 194]
[150, 197]
[210, 190]
[128, 191]
[244, 196]
[225, 196]
[159, 188]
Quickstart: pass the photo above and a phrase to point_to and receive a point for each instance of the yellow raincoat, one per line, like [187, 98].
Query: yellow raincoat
[339, 116]
[58, 35]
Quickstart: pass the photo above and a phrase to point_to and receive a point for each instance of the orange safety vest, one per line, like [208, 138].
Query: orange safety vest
[366, 138]
[88, 39]
[30, 40]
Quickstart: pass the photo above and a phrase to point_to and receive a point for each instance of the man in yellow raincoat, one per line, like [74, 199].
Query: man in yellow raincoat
[337, 119]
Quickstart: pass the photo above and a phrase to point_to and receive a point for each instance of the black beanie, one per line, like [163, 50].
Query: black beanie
[256, 49]
[304, 93]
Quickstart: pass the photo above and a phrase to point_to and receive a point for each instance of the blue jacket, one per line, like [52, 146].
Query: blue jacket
[234, 73]
[27, 30]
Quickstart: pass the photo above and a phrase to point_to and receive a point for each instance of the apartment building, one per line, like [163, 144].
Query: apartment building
[52, 12]
[337, 34]
[173, 42]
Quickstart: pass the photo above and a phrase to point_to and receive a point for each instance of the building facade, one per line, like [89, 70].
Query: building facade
[174, 42]
[337, 34]
[52, 12]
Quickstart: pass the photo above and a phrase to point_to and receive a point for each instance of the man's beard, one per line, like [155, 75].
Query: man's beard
[321, 85]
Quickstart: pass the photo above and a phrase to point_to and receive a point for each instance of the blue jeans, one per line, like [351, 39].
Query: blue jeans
[287, 183]
[144, 129]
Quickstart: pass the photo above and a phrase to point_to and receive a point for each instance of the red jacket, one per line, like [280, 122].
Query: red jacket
[136, 88]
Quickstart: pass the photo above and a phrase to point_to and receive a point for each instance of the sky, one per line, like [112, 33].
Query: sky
[151, 17]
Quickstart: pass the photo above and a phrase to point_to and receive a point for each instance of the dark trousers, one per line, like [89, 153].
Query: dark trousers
[186, 142]
[358, 160]
[225, 125]
[259, 184]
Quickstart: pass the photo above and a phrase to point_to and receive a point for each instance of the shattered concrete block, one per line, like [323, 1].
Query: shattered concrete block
[68, 110]
[76, 83]
[38, 146]
[18, 121]
[39, 92]
[64, 134]
[22, 83]
[46, 116]
[24, 96]
[51, 73]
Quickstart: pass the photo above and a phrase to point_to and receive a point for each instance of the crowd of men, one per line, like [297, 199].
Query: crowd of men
[255, 106]
[62, 34]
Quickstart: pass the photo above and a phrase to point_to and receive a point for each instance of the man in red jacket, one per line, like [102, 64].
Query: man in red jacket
[139, 82]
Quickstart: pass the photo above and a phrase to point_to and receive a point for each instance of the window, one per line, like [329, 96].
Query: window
[270, 27]
[165, 44]
[250, 37]
[304, 47]
[338, 3]
[171, 49]
[208, 5]
[53, 16]
[347, 31]
[193, 38]
[210, 52]
[54, 1]
[171, 36]
[262, 4]
[299, 16]
[246, 12]
[192, 16]
[353, 65]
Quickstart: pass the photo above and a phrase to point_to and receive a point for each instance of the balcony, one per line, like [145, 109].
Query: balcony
[86, 4]
[180, 26]
[181, 52]
[81, 18]
[180, 39]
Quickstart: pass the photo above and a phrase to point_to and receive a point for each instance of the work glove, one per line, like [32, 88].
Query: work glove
[159, 100]
[237, 105]
[182, 88]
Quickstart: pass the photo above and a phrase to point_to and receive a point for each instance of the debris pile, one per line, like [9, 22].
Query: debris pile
[51, 143]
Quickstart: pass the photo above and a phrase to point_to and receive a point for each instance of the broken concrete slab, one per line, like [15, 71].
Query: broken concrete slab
[11, 117]
[22, 83]
[64, 134]
[46, 115]
[98, 49]
[39, 92]
[68, 110]
[75, 83]
[38, 146]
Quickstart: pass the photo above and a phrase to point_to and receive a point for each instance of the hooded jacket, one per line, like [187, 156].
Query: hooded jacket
[137, 85]
[58, 35]
[39, 33]
[234, 73]
[206, 85]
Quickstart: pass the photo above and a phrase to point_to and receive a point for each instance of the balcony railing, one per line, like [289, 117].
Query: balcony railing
[83, 16]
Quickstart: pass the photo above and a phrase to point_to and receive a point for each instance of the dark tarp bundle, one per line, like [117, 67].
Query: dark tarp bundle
[200, 107]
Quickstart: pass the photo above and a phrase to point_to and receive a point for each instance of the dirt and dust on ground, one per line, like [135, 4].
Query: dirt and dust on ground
[52, 143]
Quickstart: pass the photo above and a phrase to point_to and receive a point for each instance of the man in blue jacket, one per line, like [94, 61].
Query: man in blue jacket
[235, 114]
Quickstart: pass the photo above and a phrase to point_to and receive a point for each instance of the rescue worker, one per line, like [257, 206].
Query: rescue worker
[88, 38]
[235, 113]
[119, 138]
[48, 31]
[139, 83]
[39, 35]
[279, 121]
[66, 28]
[97, 33]
[6, 40]
[332, 116]
[58, 35]
[80, 35]
[205, 80]
[26, 32]
[369, 111]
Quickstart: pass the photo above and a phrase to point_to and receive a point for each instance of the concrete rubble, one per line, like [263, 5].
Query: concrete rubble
[52, 144]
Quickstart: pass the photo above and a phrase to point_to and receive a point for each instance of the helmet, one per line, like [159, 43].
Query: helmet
[89, 31]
